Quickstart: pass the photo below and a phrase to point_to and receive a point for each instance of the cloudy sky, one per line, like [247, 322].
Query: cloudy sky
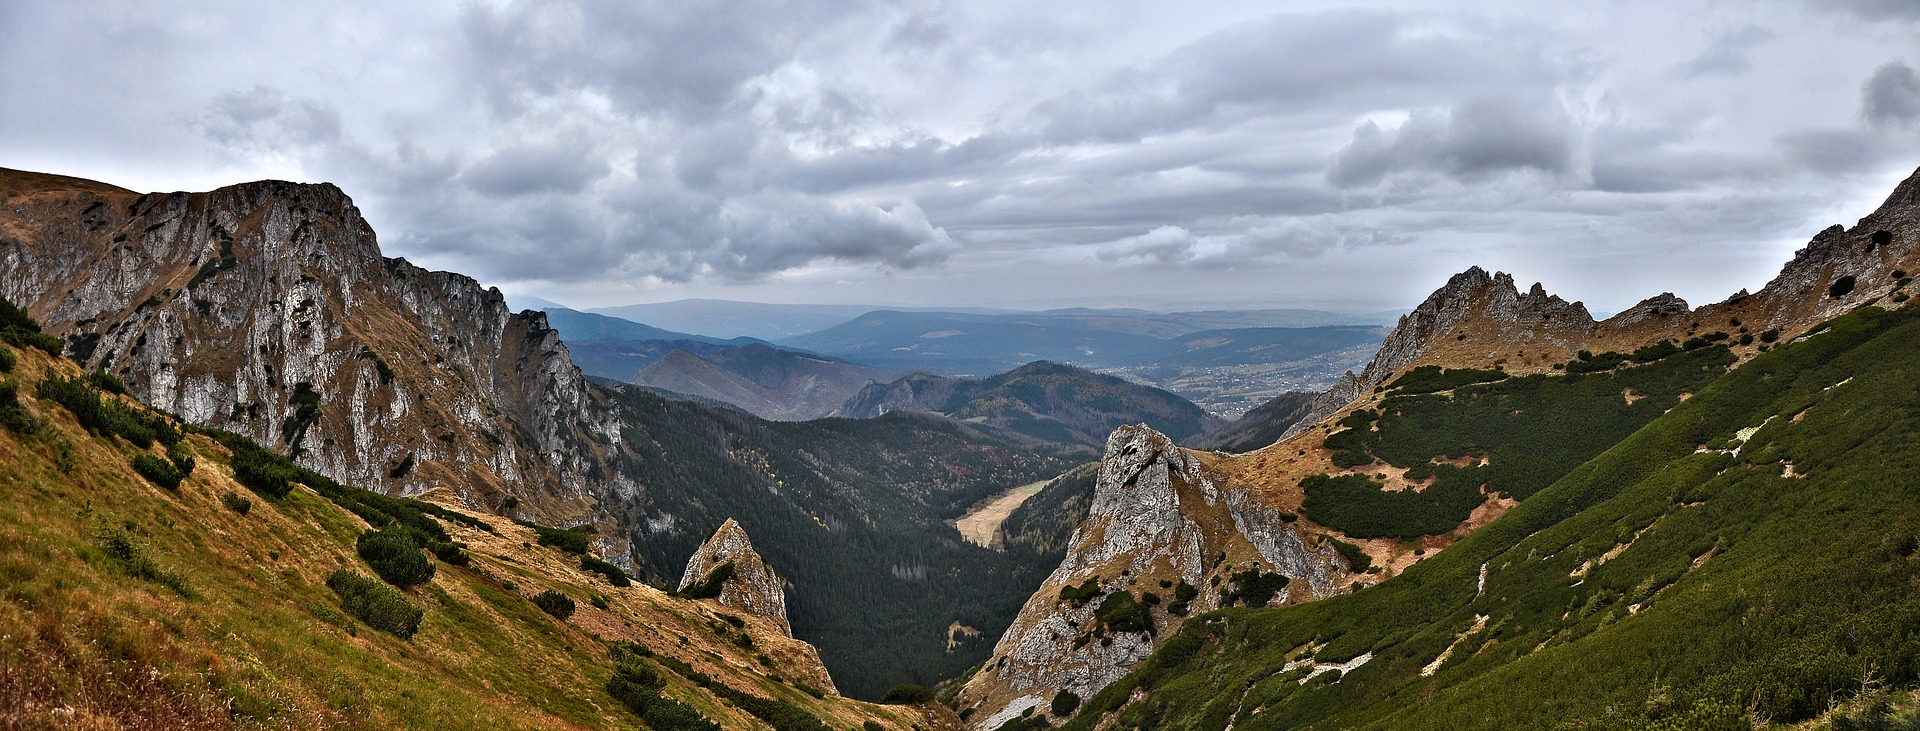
[1345, 155]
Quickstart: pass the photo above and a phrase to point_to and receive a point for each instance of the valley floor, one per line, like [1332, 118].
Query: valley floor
[984, 518]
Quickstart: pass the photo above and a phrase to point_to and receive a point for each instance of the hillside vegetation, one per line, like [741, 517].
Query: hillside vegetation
[1747, 557]
[153, 575]
[853, 513]
[1482, 433]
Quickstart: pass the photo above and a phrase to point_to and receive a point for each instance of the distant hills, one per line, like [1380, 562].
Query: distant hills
[1045, 401]
[730, 319]
[962, 344]
[1226, 360]
[765, 381]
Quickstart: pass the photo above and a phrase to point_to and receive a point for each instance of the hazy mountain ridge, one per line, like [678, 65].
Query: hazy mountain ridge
[963, 344]
[1045, 401]
[768, 382]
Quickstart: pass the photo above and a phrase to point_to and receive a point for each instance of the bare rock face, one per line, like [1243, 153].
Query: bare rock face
[1159, 525]
[267, 309]
[746, 581]
[1472, 309]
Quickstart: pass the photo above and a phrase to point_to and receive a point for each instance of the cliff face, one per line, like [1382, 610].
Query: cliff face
[747, 582]
[1160, 524]
[267, 309]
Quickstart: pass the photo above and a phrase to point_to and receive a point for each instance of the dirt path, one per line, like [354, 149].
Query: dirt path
[985, 517]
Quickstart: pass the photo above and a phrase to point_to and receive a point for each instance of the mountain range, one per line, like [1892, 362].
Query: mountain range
[266, 309]
[1507, 491]
[1513, 516]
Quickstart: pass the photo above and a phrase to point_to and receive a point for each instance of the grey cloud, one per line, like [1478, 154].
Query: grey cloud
[268, 118]
[1476, 140]
[770, 233]
[1874, 9]
[1891, 98]
[1244, 241]
[647, 56]
[1728, 53]
[1301, 64]
[524, 170]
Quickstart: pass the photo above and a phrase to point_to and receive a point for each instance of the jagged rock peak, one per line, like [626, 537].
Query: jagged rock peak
[747, 582]
[1502, 314]
[1664, 304]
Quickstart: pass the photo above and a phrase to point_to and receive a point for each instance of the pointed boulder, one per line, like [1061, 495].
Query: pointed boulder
[728, 570]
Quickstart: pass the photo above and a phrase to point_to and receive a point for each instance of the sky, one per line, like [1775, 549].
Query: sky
[1338, 155]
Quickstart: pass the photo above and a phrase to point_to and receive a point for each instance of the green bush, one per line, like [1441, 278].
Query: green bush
[1253, 587]
[1841, 287]
[1590, 363]
[1079, 595]
[140, 426]
[20, 329]
[555, 603]
[1120, 612]
[908, 694]
[613, 573]
[14, 416]
[1065, 703]
[182, 458]
[130, 557]
[237, 503]
[157, 471]
[1433, 378]
[375, 603]
[450, 553]
[99, 378]
[572, 540]
[638, 688]
[1658, 350]
[709, 586]
[1357, 560]
[7, 360]
[401, 470]
[394, 553]
[1183, 596]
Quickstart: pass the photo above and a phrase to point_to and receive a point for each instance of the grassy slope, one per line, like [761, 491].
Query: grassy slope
[1733, 592]
[257, 638]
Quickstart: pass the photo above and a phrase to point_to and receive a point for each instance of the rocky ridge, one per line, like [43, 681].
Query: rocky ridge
[749, 583]
[1476, 320]
[1161, 522]
[267, 309]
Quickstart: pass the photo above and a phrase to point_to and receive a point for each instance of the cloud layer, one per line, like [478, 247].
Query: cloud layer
[1342, 154]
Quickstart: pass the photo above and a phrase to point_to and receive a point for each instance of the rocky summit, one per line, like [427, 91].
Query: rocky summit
[727, 569]
[1164, 538]
[267, 309]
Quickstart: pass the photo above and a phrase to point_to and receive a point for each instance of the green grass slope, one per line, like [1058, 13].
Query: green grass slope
[151, 578]
[1670, 582]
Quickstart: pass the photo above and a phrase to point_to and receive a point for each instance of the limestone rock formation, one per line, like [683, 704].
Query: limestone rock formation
[1475, 311]
[267, 309]
[737, 576]
[1159, 524]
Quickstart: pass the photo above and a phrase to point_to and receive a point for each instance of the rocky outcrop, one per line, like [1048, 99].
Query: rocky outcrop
[1158, 514]
[916, 392]
[1159, 524]
[727, 568]
[1471, 310]
[267, 309]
